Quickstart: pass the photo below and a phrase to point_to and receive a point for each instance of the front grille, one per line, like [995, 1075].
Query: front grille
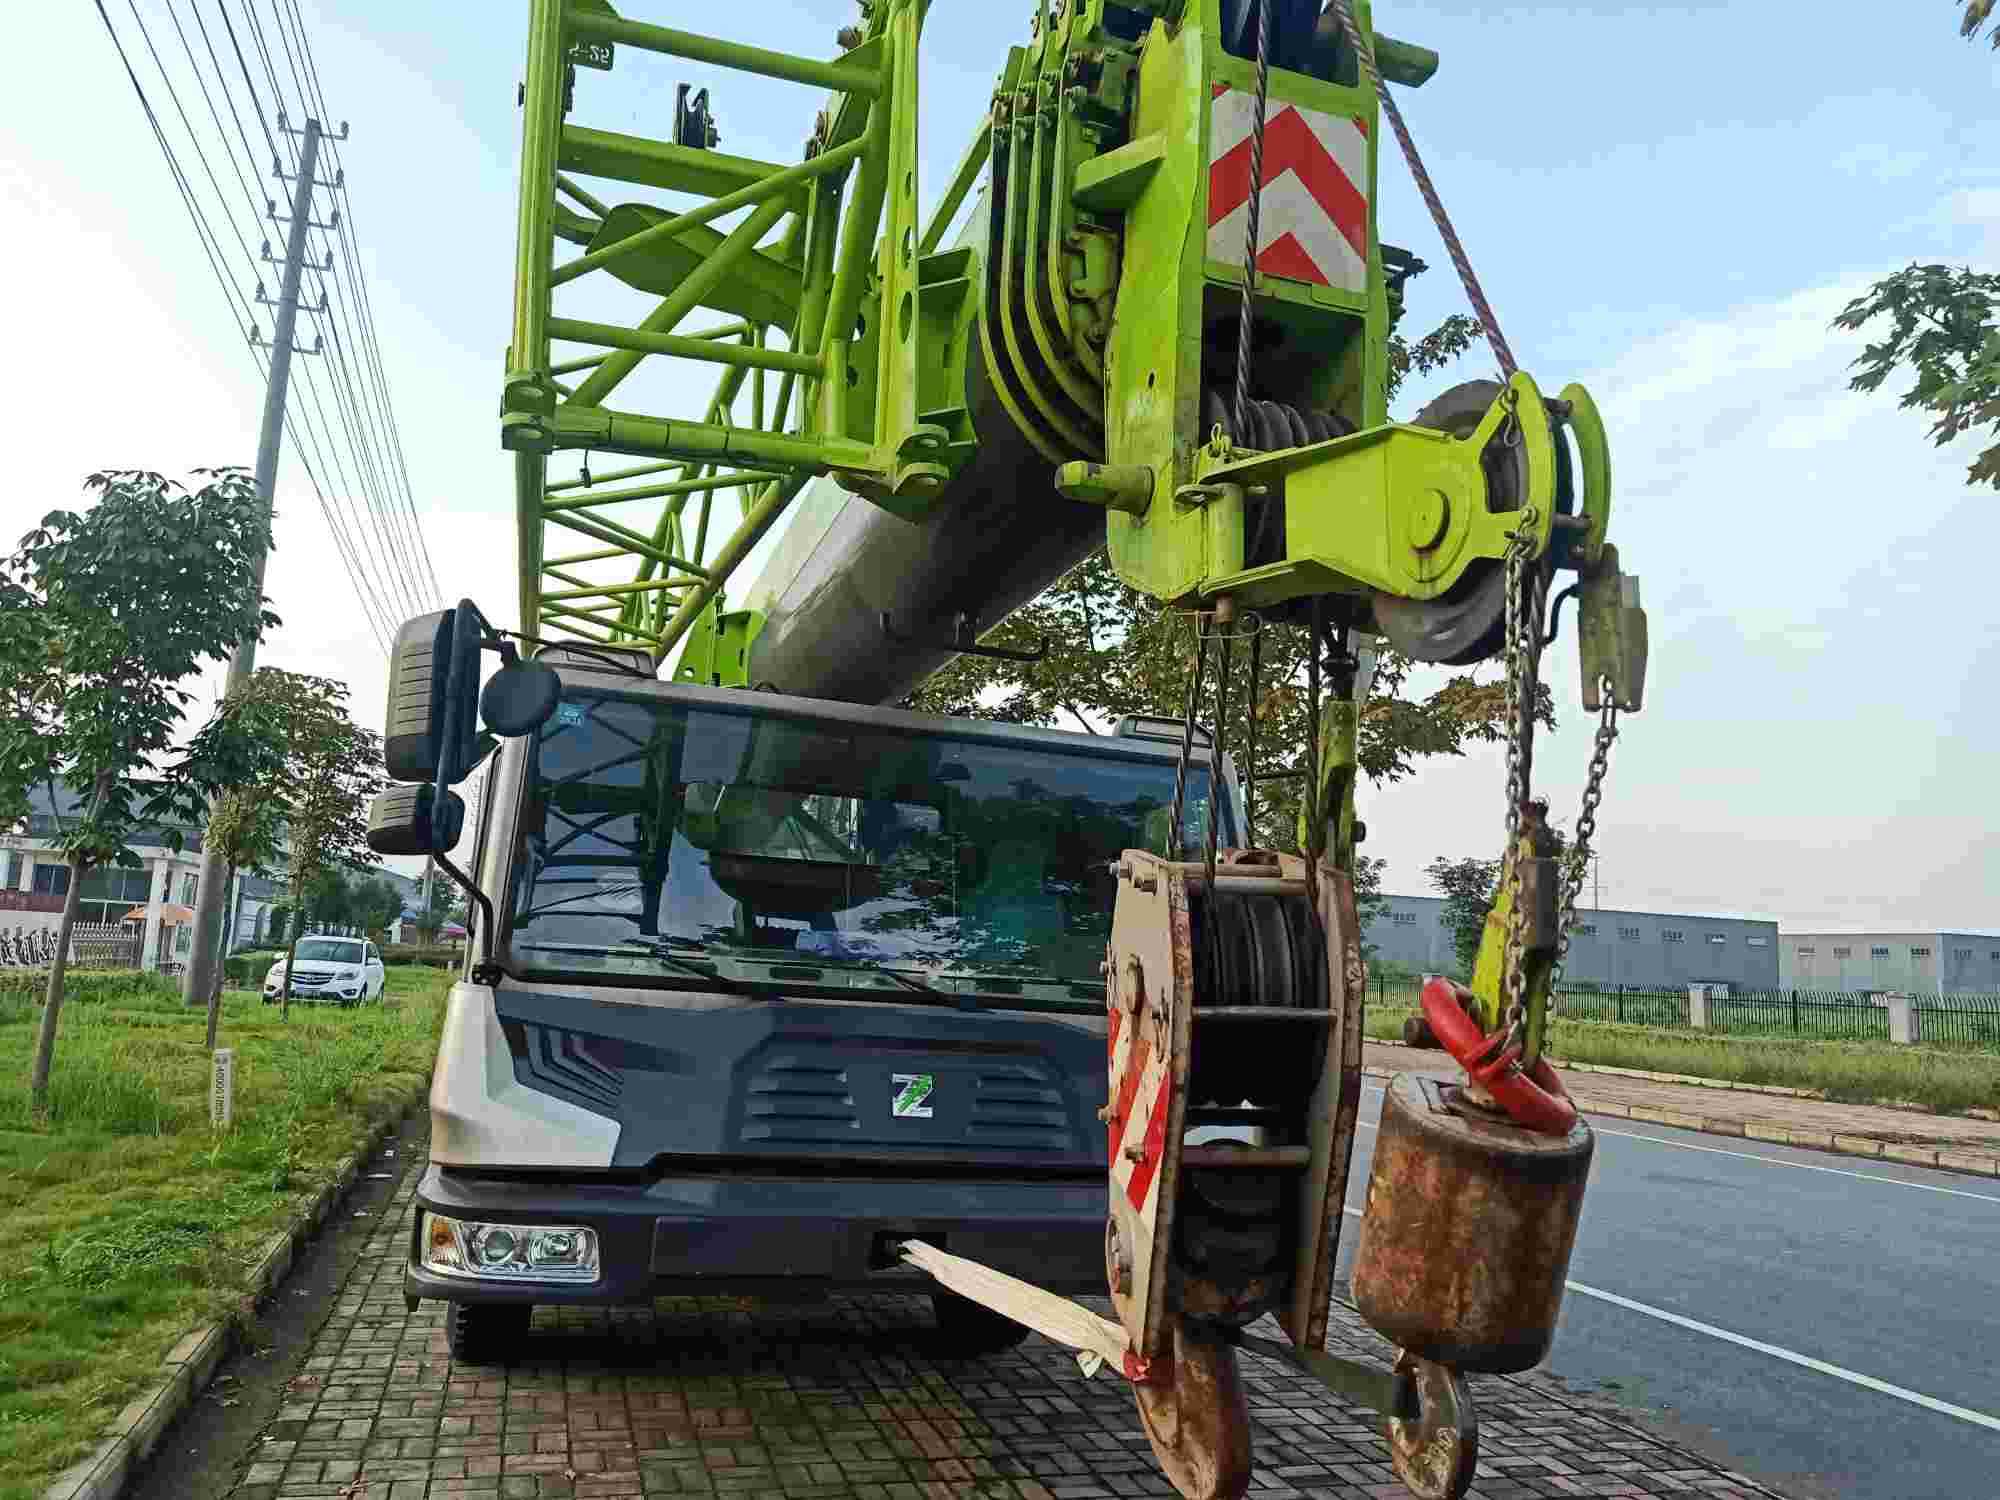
[795, 1101]
[1018, 1108]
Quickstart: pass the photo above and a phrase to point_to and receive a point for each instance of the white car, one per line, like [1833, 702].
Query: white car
[345, 971]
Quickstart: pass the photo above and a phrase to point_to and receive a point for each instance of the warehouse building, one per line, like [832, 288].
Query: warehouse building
[1913, 963]
[1637, 949]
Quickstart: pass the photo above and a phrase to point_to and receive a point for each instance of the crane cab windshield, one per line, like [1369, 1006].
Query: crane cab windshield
[728, 828]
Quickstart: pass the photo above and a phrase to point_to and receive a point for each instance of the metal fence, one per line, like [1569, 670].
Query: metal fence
[1959, 1020]
[1625, 1003]
[1824, 1015]
[1828, 1015]
[92, 945]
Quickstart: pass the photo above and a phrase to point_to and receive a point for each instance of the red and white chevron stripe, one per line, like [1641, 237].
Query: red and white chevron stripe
[1313, 225]
[1138, 1123]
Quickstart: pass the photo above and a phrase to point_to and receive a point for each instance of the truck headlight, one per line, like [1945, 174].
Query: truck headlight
[508, 1252]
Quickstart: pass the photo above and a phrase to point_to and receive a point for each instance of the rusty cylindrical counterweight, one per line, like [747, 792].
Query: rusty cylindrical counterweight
[1467, 1233]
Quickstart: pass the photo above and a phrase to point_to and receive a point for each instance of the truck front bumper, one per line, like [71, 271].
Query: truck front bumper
[736, 1235]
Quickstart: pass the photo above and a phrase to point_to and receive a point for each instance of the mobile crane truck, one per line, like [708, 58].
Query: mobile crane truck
[771, 984]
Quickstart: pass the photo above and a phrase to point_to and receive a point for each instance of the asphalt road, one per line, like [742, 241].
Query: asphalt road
[1826, 1324]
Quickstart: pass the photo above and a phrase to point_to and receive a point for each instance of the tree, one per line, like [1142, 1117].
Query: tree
[1471, 886]
[247, 828]
[109, 611]
[379, 904]
[1468, 886]
[1368, 897]
[1941, 325]
[337, 766]
[283, 717]
[446, 904]
[329, 900]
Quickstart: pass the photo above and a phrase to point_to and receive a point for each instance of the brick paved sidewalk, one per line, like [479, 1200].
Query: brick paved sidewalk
[725, 1396]
[1911, 1136]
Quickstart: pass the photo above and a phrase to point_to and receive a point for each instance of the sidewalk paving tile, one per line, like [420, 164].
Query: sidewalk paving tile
[845, 1399]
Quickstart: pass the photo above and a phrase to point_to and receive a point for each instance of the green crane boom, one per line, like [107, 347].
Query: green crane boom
[948, 427]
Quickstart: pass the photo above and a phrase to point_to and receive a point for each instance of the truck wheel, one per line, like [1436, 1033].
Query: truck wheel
[969, 1330]
[487, 1333]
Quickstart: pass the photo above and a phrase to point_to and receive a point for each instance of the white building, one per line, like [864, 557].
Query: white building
[1930, 962]
[1636, 949]
[154, 899]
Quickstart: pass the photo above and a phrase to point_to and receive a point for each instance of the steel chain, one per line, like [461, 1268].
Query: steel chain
[1520, 669]
[1586, 825]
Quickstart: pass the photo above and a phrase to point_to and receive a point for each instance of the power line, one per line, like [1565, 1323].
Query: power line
[402, 516]
[354, 416]
[354, 400]
[352, 255]
[379, 552]
[249, 83]
[172, 94]
[174, 16]
[397, 542]
[372, 605]
[349, 549]
[210, 239]
[384, 595]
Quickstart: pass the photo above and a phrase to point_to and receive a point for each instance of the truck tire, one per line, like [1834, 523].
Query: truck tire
[968, 1330]
[487, 1333]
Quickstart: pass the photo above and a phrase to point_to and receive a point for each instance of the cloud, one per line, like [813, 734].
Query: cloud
[1881, 162]
[1820, 688]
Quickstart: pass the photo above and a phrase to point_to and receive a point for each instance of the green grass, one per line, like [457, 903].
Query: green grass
[124, 1219]
[1853, 1072]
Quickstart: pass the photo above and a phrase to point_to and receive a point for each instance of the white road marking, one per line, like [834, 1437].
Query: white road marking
[1790, 1356]
[1803, 1166]
[1779, 1161]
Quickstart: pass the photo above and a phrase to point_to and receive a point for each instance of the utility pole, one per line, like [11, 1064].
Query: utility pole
[205, 958]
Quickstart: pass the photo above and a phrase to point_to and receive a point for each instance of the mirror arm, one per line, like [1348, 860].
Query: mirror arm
[459, 878]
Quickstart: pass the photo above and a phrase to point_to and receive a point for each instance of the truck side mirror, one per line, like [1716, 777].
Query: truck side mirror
[407, 820]
[422, 703]
[519, 698]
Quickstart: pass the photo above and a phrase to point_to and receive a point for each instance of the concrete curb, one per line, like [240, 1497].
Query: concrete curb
[191, 1364]
[1977, 1164]
[1691, 1080]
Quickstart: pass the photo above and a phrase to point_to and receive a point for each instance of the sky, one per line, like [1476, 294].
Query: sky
[1668, 203]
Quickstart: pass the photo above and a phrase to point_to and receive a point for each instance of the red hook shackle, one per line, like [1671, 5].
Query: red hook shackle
[1534, 1097]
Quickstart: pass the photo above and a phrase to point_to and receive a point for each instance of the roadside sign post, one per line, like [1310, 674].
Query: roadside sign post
[222, 1088]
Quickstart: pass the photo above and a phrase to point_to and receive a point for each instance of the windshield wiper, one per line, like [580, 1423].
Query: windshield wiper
[689, 966]
[961, 1001]
[659, 954]
[670, 954]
